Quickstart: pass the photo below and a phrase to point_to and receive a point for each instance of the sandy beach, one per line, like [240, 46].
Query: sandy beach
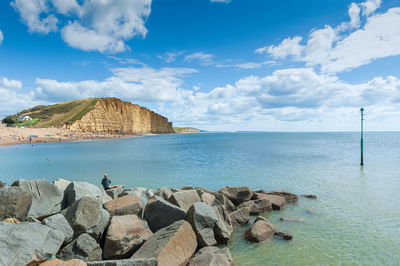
[14, 136]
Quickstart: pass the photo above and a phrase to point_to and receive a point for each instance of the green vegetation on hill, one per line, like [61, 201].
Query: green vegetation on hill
[55, 115]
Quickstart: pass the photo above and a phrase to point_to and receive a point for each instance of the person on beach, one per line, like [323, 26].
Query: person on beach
[106, 182]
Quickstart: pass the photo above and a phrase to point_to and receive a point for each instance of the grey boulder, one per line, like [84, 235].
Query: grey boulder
[164, 193]
[237, 195]
[159, 213]
[14, 203]
[223, 229]
[22, 243]
[78, 190]
[212, 256]
[84, 248]
[202, 217]
[126, 262]
[115, 191]
[84, 214]
[257, 206]
[46, 197]
[59, 222]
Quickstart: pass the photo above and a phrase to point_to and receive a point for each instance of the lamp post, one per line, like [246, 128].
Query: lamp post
[362, 136]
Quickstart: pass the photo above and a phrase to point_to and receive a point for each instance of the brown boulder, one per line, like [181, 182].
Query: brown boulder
[172, 245]
[129, 204]
[212, 256]
[124, 236]
[185, 199]
[289, 197]
[261, 230]
[237, 195]
[277, 202]
[257, 206]
[240, 217]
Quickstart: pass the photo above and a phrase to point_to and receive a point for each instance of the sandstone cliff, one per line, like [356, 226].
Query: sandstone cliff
[111, 115]
[186, 130]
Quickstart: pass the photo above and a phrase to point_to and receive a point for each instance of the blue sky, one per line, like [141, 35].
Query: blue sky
[217, 65]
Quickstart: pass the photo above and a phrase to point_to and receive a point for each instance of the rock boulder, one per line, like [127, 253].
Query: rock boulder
[46, 197]
[257, 206]
[124, 236]
[172, 245]
[59, 222]
[78, 190]
[289, 197]
[185, 199]
[261, 230]
[14, 203]
[115, 191]
[126, 262]
[240, 217]
[21, 243]
[129, 204]
[277, 202]
[84, 248]
[212, 256]
[202, 217]
[223, 229]
[159, 213]
[237, 195]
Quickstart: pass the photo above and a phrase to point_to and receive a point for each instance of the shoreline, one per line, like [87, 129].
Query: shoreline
[21, 136]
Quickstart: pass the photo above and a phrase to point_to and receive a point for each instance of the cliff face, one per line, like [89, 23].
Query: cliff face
[186, 130]
[111, 115]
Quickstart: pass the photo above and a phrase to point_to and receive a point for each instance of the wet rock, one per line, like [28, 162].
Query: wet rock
[59, 222]
[223, 229]
[14, 203]
[160, 213]
[283, 235]
[164, 193]
[126, 262]
[257, 206]
[84, 248]
[78, 190]
[240, 217]
[84, 214]
[202, 217]
[172, 245]
[309, 196]
[185, 199]
[22, 243]
[129, 204]
[292, 220]
[277, 202]
[124, 236]
[289, 197]
[115, 191]
[261, 230]
[212, 256]
[237, 195]
[58, 262]
[46, 197]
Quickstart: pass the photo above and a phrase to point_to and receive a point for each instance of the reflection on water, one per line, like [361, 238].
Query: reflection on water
[355, 220]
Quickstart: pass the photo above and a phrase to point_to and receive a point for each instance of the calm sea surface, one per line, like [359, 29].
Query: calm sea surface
[355, 220]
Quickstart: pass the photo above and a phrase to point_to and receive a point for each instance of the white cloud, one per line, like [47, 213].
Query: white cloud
[1, 37]
[347, 46]
[203, 58]
[102, 26]
[248, 65]
[143, 84]
[10, 83]
[170, 56]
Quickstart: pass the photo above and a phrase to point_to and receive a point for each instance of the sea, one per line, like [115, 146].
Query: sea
[355, 219]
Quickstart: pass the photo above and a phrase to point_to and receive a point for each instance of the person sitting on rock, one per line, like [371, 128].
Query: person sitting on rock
[106, 182]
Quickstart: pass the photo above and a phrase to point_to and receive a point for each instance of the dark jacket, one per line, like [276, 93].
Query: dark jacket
[106, 182]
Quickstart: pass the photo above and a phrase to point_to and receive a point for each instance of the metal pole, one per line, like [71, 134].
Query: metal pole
[362, 136]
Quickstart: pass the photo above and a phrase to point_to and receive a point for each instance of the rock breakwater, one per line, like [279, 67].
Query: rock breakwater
[77, 223]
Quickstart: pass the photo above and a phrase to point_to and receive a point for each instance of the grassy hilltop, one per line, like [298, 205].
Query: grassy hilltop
[55, 115]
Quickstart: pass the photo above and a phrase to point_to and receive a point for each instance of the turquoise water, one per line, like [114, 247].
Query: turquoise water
[355, 220]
